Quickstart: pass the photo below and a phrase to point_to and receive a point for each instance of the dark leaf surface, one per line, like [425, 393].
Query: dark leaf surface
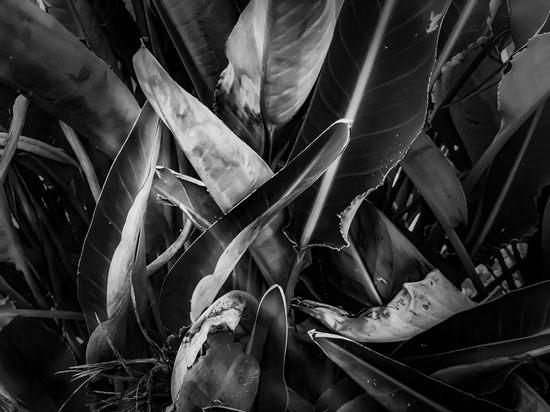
[199, 29]
[201, 258]
[389, 115]
[269, 342]
[127, 176]
[507, 327]
[43, 60]
[30, 356]
[393, 384]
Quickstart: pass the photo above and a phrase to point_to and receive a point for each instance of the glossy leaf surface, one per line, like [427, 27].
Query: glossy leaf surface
[394, 384]
[387, 117]
[436, 180]
[417, 307]
[42, 60]
[505, 328]
[275, 53]
[133, 168]
[202, 258]
[199, 29]
[268, 347]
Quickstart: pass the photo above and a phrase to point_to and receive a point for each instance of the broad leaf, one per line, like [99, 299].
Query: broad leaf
[526, 19]
[203, 257]
[268, 346]
[235, 312]
[229, 168]
[275, 53]
[78, 17]
[31, 355]
[492, 334]
[379, 260]
[343, 392]
[393, 384]
[224, 375]
[42, 60]
[199, 29]
[418, 307]
[189, 196]
[376, 72]
[521, 91]
[436, 180]
[106, 261]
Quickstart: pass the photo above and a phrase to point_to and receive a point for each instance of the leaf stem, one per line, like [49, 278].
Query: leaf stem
[498, 204]
[38, 313]
[172, 249]
[16, 127]
[466, 261]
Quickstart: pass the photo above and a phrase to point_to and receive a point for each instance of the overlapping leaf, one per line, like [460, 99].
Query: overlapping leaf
[378, 261]
[269, 341]
[202, 258]
[416, 308]
[436, 180]
[199, 29]
[275, 54]
[526, 19]
[42, 60]
[393, 384]
[507, 330]
[388, 112]
[116, 219]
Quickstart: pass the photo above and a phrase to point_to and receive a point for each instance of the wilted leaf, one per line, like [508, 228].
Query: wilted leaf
[418, 307]
[203, 257]
[379, 260]
[108, 254]
[268, 346]
[42, 60]
[496, 333]
[436, 180]
[30, 357]
[275, 53]
[382, 56]
[191, 198]
[393, 384]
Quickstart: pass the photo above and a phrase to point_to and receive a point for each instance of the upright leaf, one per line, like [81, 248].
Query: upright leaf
[377, 73]
[43, 61]
[526, 19]
[268, 345]
[436, 180]
[203, 257]
[394, 384]
[199, 29]
[112, 234]
[275, 54]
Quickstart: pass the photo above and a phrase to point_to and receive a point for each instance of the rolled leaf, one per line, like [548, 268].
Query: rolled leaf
[389, 106]
[268, 346]
[275, 54]
[393, 384]
[418, 307]
[203, 257]
[45, 62]
[106, 261]
[436, 180]
[199, 30]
